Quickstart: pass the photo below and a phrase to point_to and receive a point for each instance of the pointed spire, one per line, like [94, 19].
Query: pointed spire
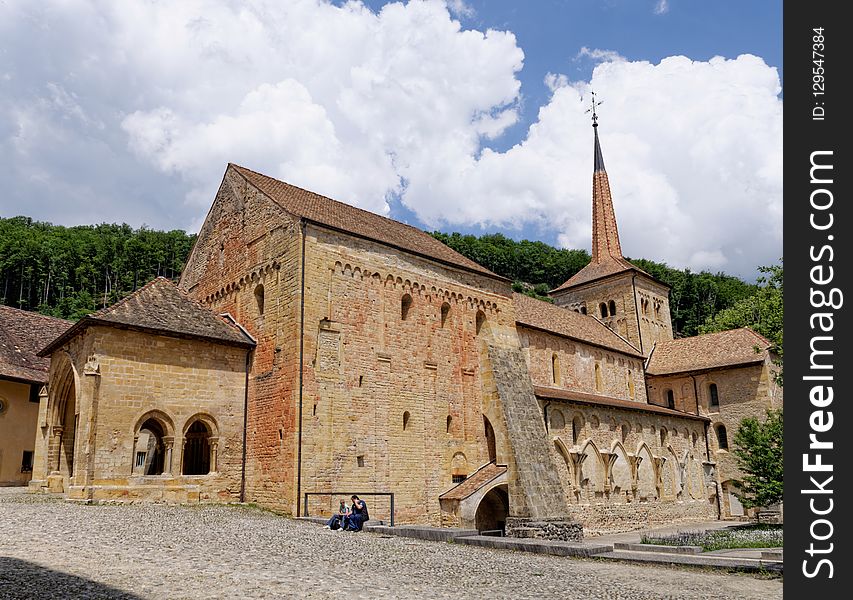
[605, 235]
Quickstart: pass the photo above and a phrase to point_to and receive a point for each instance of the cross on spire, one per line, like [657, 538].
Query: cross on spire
[591, 109]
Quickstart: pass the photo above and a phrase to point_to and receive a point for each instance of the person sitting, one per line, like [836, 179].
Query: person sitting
[337, 519]
[357, 515]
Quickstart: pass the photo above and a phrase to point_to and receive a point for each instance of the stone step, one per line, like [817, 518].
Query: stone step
[658, 548]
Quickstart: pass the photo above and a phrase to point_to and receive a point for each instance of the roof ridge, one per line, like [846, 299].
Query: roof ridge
[125, 299]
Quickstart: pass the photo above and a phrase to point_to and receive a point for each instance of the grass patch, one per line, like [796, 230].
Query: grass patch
[748, 536]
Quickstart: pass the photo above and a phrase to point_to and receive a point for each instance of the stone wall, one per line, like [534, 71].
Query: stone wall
[620, 375]
[17, 427]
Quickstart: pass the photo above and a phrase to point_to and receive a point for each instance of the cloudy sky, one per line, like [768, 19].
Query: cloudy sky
[458, 115]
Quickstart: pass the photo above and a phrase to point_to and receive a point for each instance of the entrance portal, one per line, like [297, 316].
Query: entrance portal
[493, 510]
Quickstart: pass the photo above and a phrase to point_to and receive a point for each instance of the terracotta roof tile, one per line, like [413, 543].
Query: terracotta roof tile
[596, 400]
[343, 217]
[478, 479]
[159, 306]
[598, 270]
[709, 351]
[22, 334]
[562, 321]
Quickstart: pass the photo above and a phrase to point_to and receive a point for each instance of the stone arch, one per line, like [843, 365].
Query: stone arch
[491, 443]
[558, 421]
[63, 410]
[445, 313]
[621, 481]
[646, 478]
[612, 308]
[406, 416]
[200, 441]
[602, 310]
[564, 468]
[669, 477]
[405, 306]
[591, 477]
[458, 467]
[493, 509]
[259, 298]
[481, 324]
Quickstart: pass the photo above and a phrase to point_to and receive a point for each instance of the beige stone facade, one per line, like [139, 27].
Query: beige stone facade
[17, 423]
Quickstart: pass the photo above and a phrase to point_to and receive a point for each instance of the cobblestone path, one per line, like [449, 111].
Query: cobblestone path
[53, 549]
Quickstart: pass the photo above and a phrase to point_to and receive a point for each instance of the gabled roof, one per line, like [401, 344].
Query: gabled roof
[22, 333]
[597, 400]
[708, 351]
[474, 482]
[568, 323]
[343, 217]
[160, 307]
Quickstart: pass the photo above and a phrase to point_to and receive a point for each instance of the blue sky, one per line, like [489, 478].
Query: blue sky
[454, 115]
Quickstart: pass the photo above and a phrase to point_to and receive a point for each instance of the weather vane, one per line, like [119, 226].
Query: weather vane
[592, 109]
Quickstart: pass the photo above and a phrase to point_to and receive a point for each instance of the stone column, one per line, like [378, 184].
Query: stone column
[54, 449]
[168, 443]
[214, 445]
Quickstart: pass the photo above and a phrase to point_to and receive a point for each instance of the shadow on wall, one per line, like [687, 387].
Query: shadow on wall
[24, 579]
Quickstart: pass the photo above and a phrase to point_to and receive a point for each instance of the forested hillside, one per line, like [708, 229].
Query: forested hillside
[71, 271]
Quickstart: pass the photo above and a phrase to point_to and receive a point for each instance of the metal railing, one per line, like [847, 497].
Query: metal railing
[347, 495]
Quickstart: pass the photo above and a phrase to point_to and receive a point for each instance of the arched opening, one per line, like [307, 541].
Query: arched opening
[602, 309]
[612, 306]
[259, 299]
[583, 309]
[406, 416]
[714, 403]
[405, 306]
[150, 451]
[558, 421]
[493, 510]
[555, 369]
[458, 468]
[670, 399]
[598, 383]
[197, 449]
[445, 312]
[722, 437]
[449, 423]
[61, 447]
[480, 321]
[490, 439]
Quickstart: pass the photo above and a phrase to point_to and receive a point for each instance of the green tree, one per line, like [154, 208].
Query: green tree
[758, 447]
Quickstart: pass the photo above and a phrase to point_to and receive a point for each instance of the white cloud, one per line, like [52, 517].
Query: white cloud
[143, 105]
[662, 7]
[460, 8]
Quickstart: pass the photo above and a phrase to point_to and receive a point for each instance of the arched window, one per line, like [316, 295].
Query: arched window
[612, 306]
[197, 449]
[657, 311]
[405, 305]
[449, 423]
[150, 452]
[670, 399]
[714, 395]
[630, 384]
[722, 438]
[481, 320]
[555, 369]
[406, 416]
[445, 312]
[598, 384]
[259, 299]
[602, 309]
[490, 439]
[583, 309]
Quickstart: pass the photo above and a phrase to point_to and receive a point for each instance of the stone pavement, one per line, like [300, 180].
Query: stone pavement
[54, 549]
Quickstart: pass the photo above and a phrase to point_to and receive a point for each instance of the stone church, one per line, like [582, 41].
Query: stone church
[312, 350]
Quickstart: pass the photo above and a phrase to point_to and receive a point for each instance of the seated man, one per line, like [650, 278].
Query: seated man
[337, 519]
[357, 515]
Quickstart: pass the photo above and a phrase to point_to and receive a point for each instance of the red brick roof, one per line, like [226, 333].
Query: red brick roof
[568, 323]
[474, 482]
[343, 217]
[709, 351]
[596, 400]
[22, 333]
[160, 307]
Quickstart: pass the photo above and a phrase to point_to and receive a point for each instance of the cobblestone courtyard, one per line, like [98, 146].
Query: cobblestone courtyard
[52, 549]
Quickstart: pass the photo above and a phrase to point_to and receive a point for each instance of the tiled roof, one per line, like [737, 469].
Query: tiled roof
[22, 334]
[160, 307]
[709, 351]
[562, 321]
[596, 400]
[598, 270]
[343, 217]
[478, 479]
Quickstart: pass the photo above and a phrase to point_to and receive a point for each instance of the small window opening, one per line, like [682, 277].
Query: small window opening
[449, 423]
[598, 383]
[445, 312]
[715, 397]
[405, 305]
[670, 399]
[27, 462]
[722, 437]
[314, 413]
[406, 416]
[280, 434]
[140, 459]
[612, 307]
[576, 430]
[481, 320]
[583, 309]
[625, 431]
[602, 309]
[360, 380]
[555, 369]
[663, 434]
[359, 460]
[259, 299]
[459, 478]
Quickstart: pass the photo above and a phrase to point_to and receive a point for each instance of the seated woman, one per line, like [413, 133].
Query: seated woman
[337, 519]
[357, 515]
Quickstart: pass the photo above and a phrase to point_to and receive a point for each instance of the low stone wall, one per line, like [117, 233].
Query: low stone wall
[557, 528]
[599, 519]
